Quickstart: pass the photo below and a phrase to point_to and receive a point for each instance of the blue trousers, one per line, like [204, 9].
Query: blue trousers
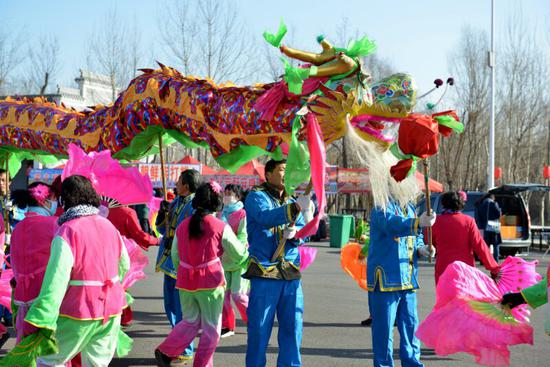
[172, 307]
[385, 308]
[267, 298]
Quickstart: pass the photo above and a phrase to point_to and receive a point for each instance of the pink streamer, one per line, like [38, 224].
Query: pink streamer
[317, 155]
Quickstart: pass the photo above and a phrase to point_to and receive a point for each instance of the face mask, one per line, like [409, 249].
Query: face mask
[53, 207]
[228, 200]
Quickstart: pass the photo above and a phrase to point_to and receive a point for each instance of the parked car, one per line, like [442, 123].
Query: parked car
[515, 221]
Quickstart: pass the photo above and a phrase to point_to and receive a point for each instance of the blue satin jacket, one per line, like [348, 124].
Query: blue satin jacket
[180, 209]
[266, 218]
[394, 239]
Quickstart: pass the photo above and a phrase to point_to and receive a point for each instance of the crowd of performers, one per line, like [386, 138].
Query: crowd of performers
[69, 258]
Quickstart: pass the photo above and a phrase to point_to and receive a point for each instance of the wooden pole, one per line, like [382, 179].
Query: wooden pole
[428, 204]
[164, 188]
[7, 198]
[281, 246]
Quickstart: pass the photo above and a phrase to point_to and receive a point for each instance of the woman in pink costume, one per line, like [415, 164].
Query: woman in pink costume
[237, 287]
[30, 248]
[456, 237]
[81, 297]
[200, 243]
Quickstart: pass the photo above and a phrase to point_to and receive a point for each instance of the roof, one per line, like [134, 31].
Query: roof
[94, 77]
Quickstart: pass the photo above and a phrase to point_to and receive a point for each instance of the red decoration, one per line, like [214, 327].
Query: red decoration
[498, 173]
[546, 172]
[444, 130]
[418, 135]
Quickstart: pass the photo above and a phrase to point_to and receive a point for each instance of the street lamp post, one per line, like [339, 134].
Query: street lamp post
[491, 171]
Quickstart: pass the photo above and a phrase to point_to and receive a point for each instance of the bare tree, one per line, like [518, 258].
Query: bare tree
[178, 28]
[208, 38]
[460, 156]
[135, 53]
[114, 51]
[522, 103]
[521, 98]
[44, 62]
[10, 56]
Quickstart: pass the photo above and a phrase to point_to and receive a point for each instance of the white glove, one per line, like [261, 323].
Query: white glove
[289, 232]
[427, 220]
[307, 206]
[424, 251]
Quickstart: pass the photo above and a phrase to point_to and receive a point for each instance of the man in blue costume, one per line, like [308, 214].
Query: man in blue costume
[178, 210]
[392, 278]
[273, 218]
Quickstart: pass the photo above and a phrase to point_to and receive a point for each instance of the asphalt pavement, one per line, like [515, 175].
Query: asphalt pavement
[334, 307]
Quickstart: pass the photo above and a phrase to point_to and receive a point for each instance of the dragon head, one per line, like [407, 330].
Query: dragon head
[373, 113]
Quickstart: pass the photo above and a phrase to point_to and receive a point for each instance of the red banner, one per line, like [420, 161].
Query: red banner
[246, 181]
[353, 180]
[172, 172]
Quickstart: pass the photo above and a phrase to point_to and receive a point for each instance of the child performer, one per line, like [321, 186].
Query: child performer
[198, 247]
[237, 287]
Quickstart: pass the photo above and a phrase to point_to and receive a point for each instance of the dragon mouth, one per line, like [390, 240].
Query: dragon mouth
[383, 129]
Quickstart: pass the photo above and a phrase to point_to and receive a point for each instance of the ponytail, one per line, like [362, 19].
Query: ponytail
[195, 223]
[207, 200]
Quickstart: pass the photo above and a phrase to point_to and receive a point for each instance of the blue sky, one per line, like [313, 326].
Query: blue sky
[416, 36]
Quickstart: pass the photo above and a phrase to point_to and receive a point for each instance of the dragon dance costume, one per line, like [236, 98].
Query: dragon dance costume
[275, 287]
[392, 278]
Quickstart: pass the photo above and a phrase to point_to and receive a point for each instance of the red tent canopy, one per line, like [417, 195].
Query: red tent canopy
[252, 168]
[432, 184]
[189, 160]
[192, 160]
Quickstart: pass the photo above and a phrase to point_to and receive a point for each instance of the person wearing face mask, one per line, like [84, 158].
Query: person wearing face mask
[30, 248]
[237, 288]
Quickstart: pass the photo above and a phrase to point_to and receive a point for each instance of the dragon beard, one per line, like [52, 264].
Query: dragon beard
[378, 160]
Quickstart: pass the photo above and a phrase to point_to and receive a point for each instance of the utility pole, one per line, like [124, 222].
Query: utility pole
[491, 173]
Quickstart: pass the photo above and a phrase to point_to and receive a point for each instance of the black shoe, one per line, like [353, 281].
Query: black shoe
[227, 332]
[367, 322]
[162, 359]
[4, 338]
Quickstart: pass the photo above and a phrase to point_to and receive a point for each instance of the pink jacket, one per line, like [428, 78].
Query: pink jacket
[200, 264]
[95, 290]
[234, 219]
[30, 251]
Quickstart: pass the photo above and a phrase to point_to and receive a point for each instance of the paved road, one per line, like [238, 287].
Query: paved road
[334, 306]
